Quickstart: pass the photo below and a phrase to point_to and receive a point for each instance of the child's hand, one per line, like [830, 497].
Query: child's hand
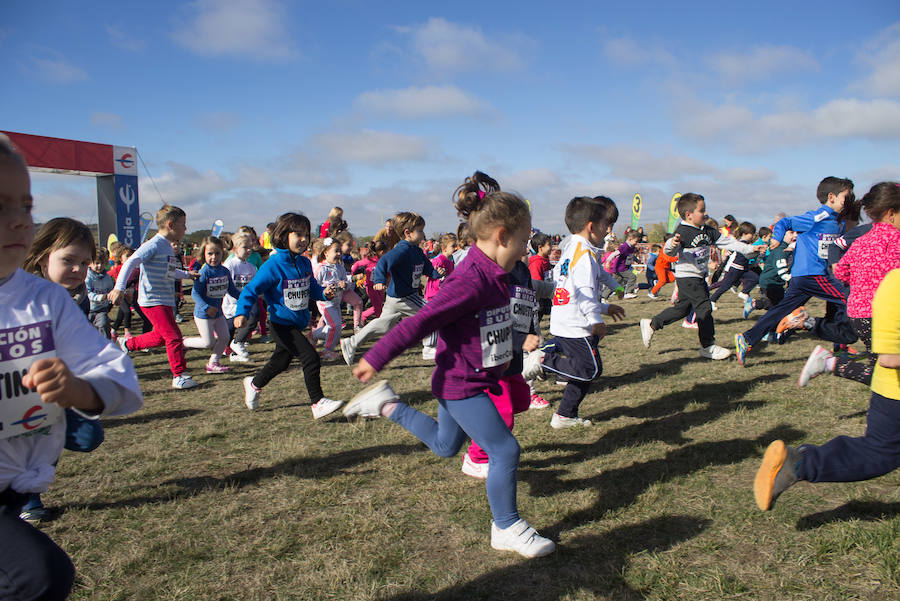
[616, 312]
[773, 243]
[329, 291]
[212, 311]
[531, 343]
[441, 271]
[52, 380]
[379, 287]
[598, 330]
[194, 274]
[363, 371]
[239, 321]
[676, 238]
[115, 296]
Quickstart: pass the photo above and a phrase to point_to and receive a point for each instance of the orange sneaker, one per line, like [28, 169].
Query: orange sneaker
[793, 321]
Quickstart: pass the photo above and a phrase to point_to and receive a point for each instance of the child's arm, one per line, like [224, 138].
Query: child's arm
[729, 243]
[94, 296]
[198, 293]
[233, 292]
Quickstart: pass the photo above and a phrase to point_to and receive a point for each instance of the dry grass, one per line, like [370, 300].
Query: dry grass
[196, 498]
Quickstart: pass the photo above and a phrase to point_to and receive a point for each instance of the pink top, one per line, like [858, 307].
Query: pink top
[432, 286]
[865, 264]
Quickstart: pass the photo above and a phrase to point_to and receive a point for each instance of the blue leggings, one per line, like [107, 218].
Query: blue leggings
[477, 418]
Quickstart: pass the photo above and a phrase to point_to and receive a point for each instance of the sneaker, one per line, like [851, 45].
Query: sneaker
[630, 295]
[325, 406]
[793, 321]
[265, 339]
[533, 366]
[538, 402]
[121, 342]
[521, 538]
[476, 470]
[561, 382]
[748, 307]
[183, 382]
[715, 352]
[235, 358]
[347, 351]
[558, 422]
[651, 295]
[36, 515]
[251, 394]
[369, 402]
[690, 325]
[815, 365]
[715, 307]
[179, 318]
[740, 348]
[743, 296]
[776, 473]
[767, 337]
[646, 332]
[238, 348]
[330, 355]
[216, 368]
[429, 353]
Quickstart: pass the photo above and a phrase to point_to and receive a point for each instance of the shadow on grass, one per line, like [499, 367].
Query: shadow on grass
[299, 467]
[620, 487]
[644, 373]
[145, 418]
[869, 511]
[594, 563]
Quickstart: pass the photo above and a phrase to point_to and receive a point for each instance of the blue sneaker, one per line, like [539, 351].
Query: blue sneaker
[767, 337]
[740, 348]
[748, 307]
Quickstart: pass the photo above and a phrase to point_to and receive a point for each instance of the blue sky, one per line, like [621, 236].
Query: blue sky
[242, 110]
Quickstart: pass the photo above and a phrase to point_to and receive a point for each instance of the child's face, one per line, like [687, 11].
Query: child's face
[836, 201]
[345, 247]
[748, 237]
[697, 217]
[631, 240]
[596, 231]
[67, 266]
[790, 236]
[99, 266]
[449, 248]
[212, 254]
[415, 236]
[176, 229]
[766, 238]
[298, 242]
[242, 249]
[16, 226]
[515, 247]
[544, 250]
[332, 254]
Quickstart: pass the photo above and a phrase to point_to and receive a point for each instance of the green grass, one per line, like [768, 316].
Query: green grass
[194, 497]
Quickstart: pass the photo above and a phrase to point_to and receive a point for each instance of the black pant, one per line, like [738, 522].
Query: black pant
[32, 566]
[578, 361]
[748, 280]
[289, 343]
[693, 293]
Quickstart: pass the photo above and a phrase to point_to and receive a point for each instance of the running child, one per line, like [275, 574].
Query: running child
[816, 230]
[621, 261]
[691, 243]
[365, 266]
[330, 273]
[350, 297]
[863, 267]
[99, 284]
[775, 275]
[208, 292]
[67, 365]
[664, 274]
[471, 312]
[286, 283]
[576, 319]
[737, 268]
[443, 264]
[405, 264]
[242, 271]
[156, 292]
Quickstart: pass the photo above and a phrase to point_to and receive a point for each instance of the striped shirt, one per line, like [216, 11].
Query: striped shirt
[159, 270]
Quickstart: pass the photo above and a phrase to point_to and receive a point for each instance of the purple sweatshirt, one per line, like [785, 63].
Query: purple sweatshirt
[625, 259]
[471, 314]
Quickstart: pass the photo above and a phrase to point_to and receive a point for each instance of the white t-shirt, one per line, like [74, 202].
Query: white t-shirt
[241, 273]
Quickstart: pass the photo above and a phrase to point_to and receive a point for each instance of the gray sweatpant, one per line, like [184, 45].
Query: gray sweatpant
[393, 310]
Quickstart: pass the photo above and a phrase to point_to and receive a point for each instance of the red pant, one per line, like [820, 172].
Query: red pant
[663, 278]
[515, 397]
[165, 331]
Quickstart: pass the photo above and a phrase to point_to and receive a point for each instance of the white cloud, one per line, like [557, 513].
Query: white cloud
[762, 62]
[57, 71]
[124, 41]
[883, 54]
[640, 164]
[418, 102]
[111, 120]
[372, 147]
[627, 52]
[447, 46]
[240, 28]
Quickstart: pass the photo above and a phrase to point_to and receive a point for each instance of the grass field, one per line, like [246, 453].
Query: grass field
[194, 497]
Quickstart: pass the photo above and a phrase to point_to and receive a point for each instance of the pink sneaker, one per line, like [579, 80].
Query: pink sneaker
[330, 356]
[538, 402]
[216, 368]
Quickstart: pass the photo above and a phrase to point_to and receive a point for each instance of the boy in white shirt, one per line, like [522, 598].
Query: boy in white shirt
[242, 271]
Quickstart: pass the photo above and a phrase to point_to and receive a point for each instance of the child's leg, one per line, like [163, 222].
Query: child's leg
[241, 334]
[263, 317]
[629, 280]
[331, 331]
[352, 298]
[514, 393]
[677, 311]
[579, 363]
[797, 294]
[749, 281]
[731, 277]
[846, 367]
[394, 308]
[697, 292]
[206, 329]
[220, 329]
[290, 342]
[836, 326]
[165, 330]
[477, 417]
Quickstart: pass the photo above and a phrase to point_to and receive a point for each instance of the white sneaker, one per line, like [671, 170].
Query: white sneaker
[429, 353]
[251, 394]
[815, 365]
[369, 402]
[235, 358]
[714, 307]
[239, 349]
[122, 346]
[183, 382]
[476, 470]
[742, 296]
[325, 406]
[532, 367]
[521, 538]
[347, 351]
[559, 422]
[651, 295]
[630, 295]
[716, 352]
[646, 332]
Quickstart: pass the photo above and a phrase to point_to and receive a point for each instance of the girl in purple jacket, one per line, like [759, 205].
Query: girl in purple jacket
[471, 312]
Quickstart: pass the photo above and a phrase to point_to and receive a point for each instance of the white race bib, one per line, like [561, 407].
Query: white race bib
[217, 287]
[699, 255]
[21, 409]
[296, 294]
[522, 304]
[496, 336]
[825, 240]
[416, 276]
[240, 280]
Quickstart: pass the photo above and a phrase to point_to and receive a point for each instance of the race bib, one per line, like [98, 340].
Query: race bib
[240, 280]
[21, 409]
[217, 287]
[296, 294]
[825, 240]
[416, 276]
[699, 255]
[548, 275]
[522, 304]
[496, 336]
[171, 266]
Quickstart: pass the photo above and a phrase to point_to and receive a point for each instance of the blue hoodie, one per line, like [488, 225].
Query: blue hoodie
[287, 284]
[406, 264]
[816, 231]
[210, 288]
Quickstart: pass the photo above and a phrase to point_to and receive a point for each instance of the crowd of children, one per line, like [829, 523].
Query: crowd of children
[475, 298]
